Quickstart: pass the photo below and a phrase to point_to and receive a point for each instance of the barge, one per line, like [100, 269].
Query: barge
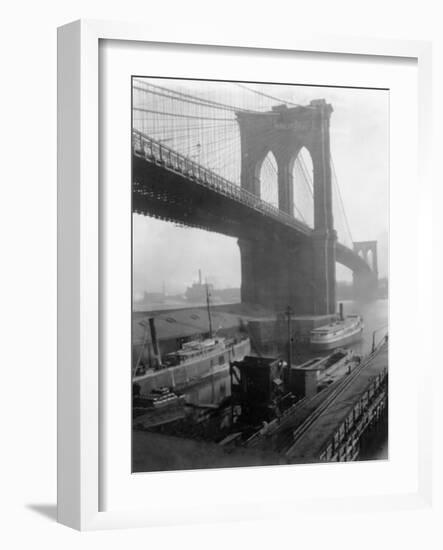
[192, 364]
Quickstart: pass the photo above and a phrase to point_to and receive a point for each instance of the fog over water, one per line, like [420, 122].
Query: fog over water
[375, 317]
[167, 254]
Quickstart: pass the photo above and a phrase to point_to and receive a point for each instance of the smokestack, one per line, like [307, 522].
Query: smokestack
[154, 340]
[340, 305]
[199, 276]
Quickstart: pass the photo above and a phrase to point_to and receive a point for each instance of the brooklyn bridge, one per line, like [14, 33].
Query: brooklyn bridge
[261, 172]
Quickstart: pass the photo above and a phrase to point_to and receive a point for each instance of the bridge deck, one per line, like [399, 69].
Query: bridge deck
[311, 442]
[157, 153]
[170, 186]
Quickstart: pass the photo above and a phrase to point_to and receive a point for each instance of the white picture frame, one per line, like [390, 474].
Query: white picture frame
[79, 256]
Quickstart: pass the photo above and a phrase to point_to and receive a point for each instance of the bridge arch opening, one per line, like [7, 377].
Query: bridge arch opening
[303, 187]
[370, 259]
[268, 176]
[344, 283]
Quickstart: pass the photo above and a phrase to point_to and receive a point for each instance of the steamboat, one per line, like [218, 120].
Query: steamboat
[342, 332]
[194, 362]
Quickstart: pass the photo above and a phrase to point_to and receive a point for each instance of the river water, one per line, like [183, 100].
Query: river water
[375, 318]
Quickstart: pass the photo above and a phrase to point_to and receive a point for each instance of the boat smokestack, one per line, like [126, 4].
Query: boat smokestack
[154, 340]
[340, 305]
[208, 305]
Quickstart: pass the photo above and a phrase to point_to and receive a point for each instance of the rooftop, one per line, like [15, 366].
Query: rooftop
[180, 323]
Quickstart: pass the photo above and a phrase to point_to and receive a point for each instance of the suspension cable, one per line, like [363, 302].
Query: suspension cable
[184, 95]
[341, 199]
[267, 95]
[200, 103]
[181, 115]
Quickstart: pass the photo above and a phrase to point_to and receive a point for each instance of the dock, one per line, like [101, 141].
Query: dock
[330, 425]
[333, 431]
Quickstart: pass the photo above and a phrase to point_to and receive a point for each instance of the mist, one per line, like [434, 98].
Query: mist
[166, 255]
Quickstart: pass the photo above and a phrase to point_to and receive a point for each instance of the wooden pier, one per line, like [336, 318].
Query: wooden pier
[331, 425]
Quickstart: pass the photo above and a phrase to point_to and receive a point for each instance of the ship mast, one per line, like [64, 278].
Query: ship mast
[288, 314]
[209, 310]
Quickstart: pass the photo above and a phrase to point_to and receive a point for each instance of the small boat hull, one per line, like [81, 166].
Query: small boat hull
[337, 343]
[195, 371]
[159, 417]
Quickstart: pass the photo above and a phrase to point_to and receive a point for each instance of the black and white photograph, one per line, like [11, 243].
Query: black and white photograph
[259, 273]
[223, 265]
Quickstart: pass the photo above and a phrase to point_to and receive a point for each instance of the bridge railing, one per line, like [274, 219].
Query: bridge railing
[159, 153]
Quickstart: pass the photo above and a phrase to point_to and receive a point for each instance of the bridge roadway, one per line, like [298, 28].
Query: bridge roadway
[172, 187]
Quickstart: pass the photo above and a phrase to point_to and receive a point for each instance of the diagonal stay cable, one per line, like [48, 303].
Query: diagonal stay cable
[341, 199]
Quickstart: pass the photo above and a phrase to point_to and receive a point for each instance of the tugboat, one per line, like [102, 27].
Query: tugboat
[342, 332]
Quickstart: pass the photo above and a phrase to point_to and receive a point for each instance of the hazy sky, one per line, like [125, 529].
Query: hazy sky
[359, 146]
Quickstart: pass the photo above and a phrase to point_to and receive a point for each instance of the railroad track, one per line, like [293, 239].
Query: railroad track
[282, 429]
[321, 409]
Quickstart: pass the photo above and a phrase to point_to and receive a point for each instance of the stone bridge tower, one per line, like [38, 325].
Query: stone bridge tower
[276, 273]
